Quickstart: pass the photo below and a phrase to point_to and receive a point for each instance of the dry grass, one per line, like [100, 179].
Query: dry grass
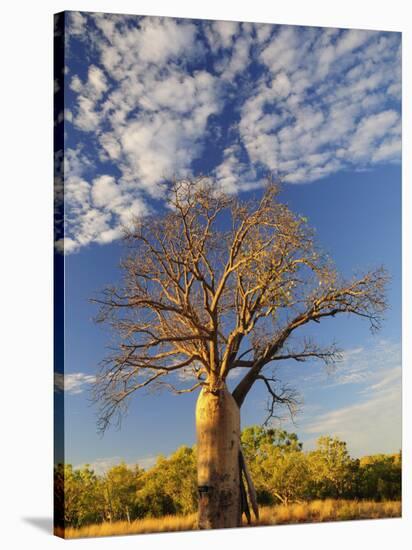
[147, 525]
[310, 512]
[328, 510]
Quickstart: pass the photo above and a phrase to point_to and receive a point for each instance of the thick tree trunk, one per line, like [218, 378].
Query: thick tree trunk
[218, 471]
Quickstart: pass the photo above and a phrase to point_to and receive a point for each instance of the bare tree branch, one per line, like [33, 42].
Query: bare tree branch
[279, 395]
[213, 284]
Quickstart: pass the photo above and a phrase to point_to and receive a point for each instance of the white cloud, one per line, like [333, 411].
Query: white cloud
[372, 422]
[325, 99]
[66, 245]
[76, 23]
[72, 383]
[151, 122]
[220, 34]
[369, 426]
[263, 32]
[369, 131]
[330, 53]
[101, 465]
[96, 211]
[392, 375]
[87, 118]
[162, 39]
[282, 51]
[351, 40]
[76, 84]
[104, 191]
[77, 192]
[93, 223]
[147, 461]
[75, 162]
[97, 81]
[319, 105]
[165, 136]
[233, 175]
[237, 61]
[389, 149]
[225, 31]
[110, 145]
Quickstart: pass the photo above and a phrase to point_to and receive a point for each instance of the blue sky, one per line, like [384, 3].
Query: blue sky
[151, 98]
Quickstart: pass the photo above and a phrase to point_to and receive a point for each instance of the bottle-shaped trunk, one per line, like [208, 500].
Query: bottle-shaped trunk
[218, 472]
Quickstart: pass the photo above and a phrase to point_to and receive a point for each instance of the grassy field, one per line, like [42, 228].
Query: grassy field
[315, 511]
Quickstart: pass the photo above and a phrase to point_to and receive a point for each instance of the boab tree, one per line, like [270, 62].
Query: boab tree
[216, 284]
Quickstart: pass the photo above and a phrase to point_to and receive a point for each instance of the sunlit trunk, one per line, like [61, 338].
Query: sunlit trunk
[218, 472]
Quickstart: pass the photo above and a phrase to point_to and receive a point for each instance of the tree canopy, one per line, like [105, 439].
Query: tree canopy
[283, 473]
[214, 284]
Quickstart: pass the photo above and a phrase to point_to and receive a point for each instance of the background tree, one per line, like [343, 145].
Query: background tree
[83, 496]
[212, 285]
[120, 485]
[170, 486]
[381, 477]
[278, 465]
[256, 440]
[282, 472]
[333, 471]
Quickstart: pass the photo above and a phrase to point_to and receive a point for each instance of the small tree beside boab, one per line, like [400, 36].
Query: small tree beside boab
[216, 284]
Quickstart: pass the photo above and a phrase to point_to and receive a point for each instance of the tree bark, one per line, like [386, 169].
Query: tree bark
[251, 491]
[218, 471]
